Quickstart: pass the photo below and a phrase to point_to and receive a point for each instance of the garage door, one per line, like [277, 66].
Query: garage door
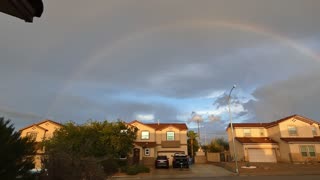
[262, 155]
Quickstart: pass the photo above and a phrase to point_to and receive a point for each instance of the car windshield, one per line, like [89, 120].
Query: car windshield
[162, 157]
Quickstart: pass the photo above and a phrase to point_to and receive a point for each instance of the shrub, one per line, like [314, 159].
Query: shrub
[110, 166]
[143, 169]
[133, 170]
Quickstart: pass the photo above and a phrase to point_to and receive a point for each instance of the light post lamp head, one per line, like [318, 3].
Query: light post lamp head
[232, 133]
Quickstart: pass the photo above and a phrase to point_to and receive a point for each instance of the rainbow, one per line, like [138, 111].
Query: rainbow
[203, 24]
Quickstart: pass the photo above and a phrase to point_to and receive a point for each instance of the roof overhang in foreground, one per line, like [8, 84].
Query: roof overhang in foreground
[23, 9]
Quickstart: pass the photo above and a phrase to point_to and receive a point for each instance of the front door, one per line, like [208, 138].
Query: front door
[136, 155]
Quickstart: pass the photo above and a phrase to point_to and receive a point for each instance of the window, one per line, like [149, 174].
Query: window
[32, 135]
[314, 131]
[304, 151]
[147, 152]
[307, 151]
[247, 132]
[312, 152]
[292, 131]
[261, 132]
[145, 135]
[170, 136]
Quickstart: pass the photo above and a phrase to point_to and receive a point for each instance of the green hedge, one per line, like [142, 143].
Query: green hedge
[136, 169]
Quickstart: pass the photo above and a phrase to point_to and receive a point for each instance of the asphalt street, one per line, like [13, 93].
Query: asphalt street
[209, 171]
[306, 177]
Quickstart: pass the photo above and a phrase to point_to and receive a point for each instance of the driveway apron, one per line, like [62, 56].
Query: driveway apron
[195, 170]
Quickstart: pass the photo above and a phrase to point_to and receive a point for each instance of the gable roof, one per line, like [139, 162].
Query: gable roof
[295, 116]
[32, 126]
[37, 124]
[274, 123]
[255, 140]
[160, 126]
[48, 120]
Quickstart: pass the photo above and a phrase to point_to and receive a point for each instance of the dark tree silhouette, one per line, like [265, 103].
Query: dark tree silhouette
[16, 153]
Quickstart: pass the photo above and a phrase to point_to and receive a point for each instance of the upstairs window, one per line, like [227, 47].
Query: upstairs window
[307, 151]
[314, 131]
[170, 136]
[247, 132]
[32, 135]
[292, 131]
[145, 135]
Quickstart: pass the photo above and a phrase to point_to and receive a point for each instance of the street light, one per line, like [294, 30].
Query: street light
[232, 133]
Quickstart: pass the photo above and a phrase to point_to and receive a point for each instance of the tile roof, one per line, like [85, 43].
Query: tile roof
[180, 126]
[32, 126]
[249, 124]
[48, 120]
[274, 123]
[37, 124]
[302, 139]
[255, 140]
[160, 126]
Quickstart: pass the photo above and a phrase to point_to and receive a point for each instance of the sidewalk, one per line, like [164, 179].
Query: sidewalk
[266, 169]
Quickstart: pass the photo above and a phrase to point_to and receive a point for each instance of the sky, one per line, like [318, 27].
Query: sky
[165, 61]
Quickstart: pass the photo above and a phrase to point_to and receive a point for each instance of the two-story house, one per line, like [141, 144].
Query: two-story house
[155, 139]
[39, 132]
[290, 139]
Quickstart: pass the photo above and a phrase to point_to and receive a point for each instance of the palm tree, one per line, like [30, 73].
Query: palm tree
[193, 142]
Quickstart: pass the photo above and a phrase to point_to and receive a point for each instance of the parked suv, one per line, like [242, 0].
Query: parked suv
[162, 161]
[180, 161]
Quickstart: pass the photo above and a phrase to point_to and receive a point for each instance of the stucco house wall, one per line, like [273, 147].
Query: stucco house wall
[44, 130]
[287, 147]
[255, 132]
[303, 128]
[284, 150]
[158, 142]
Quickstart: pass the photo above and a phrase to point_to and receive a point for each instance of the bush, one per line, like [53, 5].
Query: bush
[122, 163]
[133, 170]
[110, 166]
[143, 169]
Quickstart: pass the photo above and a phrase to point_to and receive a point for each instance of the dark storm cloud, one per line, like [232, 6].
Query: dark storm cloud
[158, 48]
[297, 95]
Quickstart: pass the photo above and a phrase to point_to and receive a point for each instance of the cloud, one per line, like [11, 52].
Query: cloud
[296, 95]
[112, 59]
[13, 114]
[145, 117]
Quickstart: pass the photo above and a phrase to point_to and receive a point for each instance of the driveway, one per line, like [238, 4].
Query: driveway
[195, 170]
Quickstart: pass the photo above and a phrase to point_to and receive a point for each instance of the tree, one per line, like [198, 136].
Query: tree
[193, 144]
[15, 153]
[218, 145]
[84, 151]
